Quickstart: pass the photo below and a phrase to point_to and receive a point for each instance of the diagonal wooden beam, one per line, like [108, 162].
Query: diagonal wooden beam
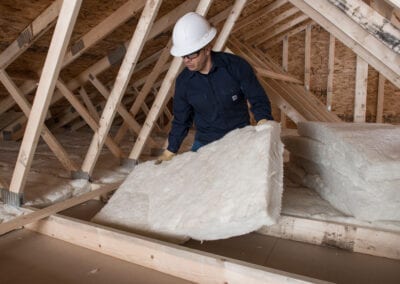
[111, 59]
[126, 11]
[115, 150]
[49, 138]
[289, 33]
[258, 14]
[150, 80]
[281, 29]
[89, 105]
[371, 21]
[123, 112]
[111, 23]
[229, 24]
[274, 75]
[51, 70]
[364, 44]
[29, 35]
[268, 25]
[128, 64]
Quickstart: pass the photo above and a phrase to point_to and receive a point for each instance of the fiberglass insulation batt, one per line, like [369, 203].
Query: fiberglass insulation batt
[356, 167]
[230, 187]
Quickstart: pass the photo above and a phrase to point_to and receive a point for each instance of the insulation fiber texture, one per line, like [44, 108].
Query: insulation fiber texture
[230, 187]
[355, 167]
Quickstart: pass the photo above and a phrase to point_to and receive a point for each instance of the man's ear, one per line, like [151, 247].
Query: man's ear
[207, 49]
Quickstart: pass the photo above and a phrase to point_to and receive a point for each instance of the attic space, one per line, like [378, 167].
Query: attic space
[281, 166]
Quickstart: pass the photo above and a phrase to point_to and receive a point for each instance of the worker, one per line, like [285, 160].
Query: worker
[212, 91]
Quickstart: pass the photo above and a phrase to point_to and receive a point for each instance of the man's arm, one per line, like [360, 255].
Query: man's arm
[254, 92]
[183, 118]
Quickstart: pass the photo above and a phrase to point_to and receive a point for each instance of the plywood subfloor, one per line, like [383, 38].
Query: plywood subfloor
[26, 257]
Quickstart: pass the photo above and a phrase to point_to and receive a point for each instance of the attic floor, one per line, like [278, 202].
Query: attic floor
[27, 257]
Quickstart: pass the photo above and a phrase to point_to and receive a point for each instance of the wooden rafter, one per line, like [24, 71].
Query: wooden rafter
[112, 22]
[51, 70]
[117, 54]
[150, 80]
[281, 29]
[123, 112]
[256, 15]
[263, 72]
[128, 64]
[266, 27]
[371, 21]
[49, 138]
[117, 18]
[84, 113]
[30, 34]
[289, 33]
[364, 44]
[89, 105]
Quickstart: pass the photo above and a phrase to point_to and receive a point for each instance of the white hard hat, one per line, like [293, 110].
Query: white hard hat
[191, 33]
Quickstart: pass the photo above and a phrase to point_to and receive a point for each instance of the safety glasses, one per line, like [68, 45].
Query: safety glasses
[192, 55]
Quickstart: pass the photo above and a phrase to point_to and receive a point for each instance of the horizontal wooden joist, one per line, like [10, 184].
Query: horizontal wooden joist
[347, 236]
[31, 216]
[189, 264]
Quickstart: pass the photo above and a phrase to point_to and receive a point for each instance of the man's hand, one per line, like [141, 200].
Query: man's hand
[262, 121]
[165, 156]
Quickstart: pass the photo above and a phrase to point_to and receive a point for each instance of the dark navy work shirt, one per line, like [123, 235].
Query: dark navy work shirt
[216, 102]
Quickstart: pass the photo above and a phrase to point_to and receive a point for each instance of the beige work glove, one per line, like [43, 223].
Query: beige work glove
[165, 156]
[262, 121]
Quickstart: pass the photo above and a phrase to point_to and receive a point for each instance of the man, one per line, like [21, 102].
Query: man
[212, 91]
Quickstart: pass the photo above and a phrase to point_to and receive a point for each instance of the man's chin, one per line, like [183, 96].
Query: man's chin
[191, 68]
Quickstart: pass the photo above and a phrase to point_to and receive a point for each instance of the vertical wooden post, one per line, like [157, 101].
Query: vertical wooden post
[162, 95]
[128, 64]
[285, 67]
[307, 58]
[331, 70]
[51, 70]
[379, 103]
[360, 102]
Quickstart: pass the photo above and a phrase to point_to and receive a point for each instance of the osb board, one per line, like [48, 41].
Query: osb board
[260, 21]
[344, 76]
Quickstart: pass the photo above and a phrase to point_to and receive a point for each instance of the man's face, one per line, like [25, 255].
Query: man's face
[197, 61]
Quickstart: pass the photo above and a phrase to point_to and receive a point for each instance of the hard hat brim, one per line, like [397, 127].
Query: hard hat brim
[185, 50]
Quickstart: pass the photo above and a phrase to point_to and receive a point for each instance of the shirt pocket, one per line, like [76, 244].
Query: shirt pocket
[232, 98]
